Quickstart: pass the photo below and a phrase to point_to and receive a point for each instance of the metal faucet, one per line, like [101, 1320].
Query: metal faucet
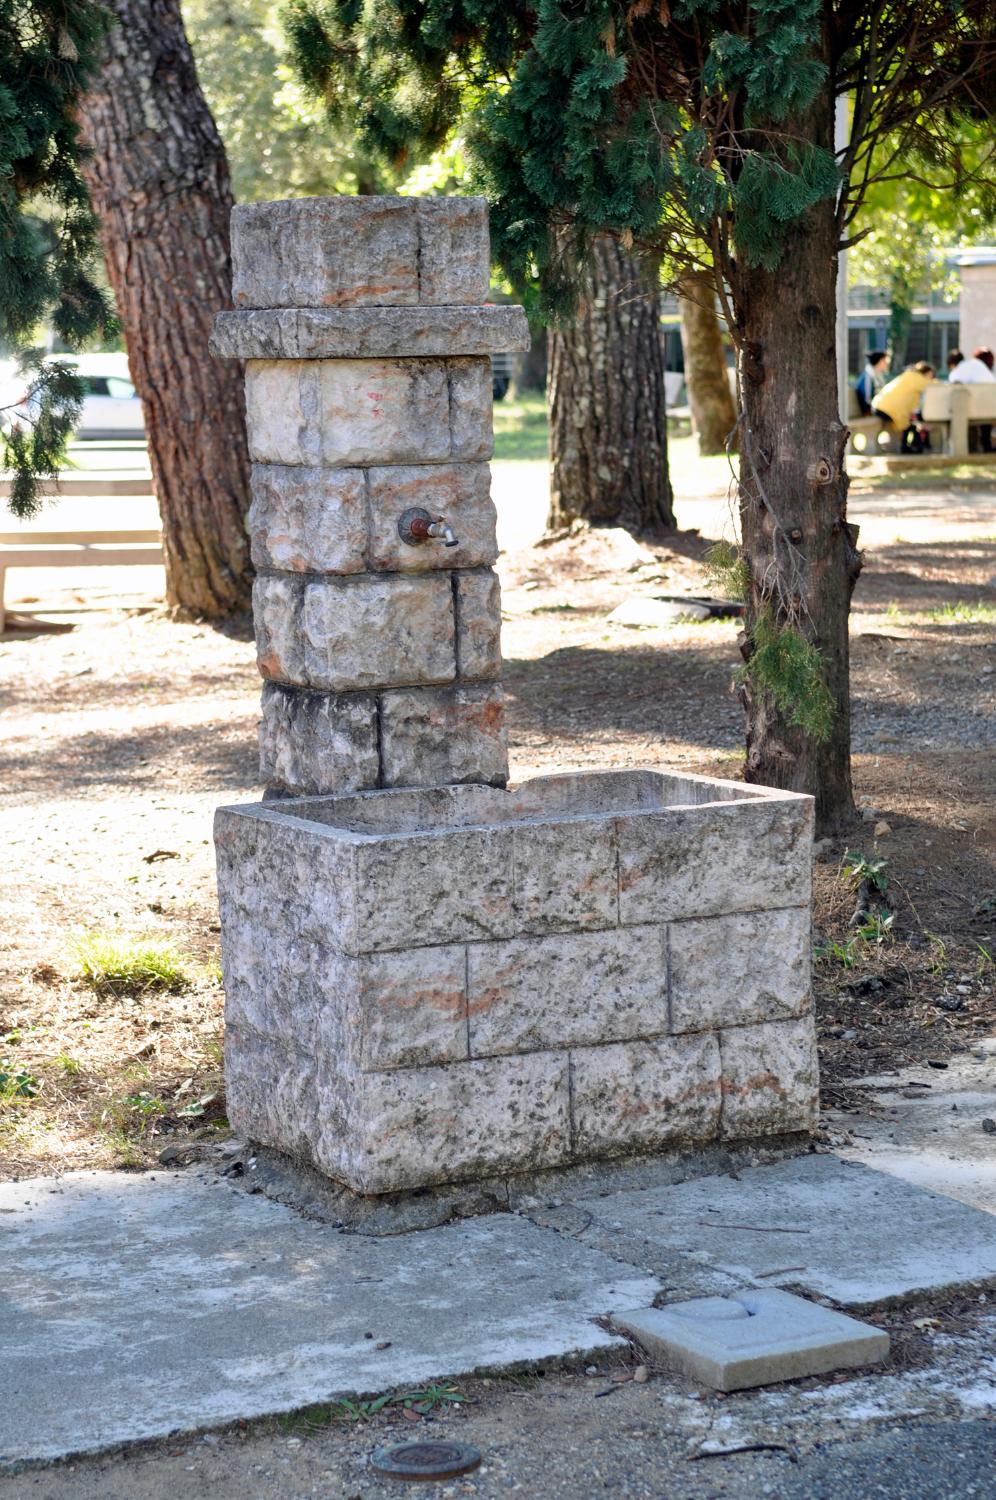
[416, 525]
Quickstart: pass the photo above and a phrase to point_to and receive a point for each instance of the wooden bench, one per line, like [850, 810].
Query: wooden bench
[75, 549]
[953, 408]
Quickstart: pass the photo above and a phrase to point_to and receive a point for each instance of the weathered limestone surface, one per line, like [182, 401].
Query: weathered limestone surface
[364, 252]
[644, 1094]
[444, 736]
[478, 620]
[368, 411]
[318, 742]
[770, 1078]
[450, 971]
[717, 981]
[369, 332]
[377, 632]
[306, 520]
[539, 992]
[460, 492]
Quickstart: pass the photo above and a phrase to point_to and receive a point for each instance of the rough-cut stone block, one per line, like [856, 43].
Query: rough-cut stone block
[460, 492]
[732, 971]
[421, 889]
[753, 1338]
[470, 385]
[478, 621]
[317, 742]
[377, 632]
[467, 1120]
[325, 252]
[437, 736]
[770, 1078]
[272, 977]
[454, 254]
[369, 332]
[636, 1096]
[399, 1010]
[368, 411]
[565, 875]
[271, 1092]
[538, 992]
[276, 609]
[728, 857]
[308, 520]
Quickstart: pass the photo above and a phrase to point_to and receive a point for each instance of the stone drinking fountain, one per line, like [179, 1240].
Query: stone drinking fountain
[432, 977]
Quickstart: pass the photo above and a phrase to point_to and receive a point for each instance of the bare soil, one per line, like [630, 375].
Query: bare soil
[121, 737]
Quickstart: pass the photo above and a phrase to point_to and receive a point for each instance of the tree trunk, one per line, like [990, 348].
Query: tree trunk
[605, 391]
[159, 182]
[798, 546]
[898, 336]
[709, 396]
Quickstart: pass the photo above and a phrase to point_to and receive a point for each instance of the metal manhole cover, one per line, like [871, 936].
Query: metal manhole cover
[426, 1460]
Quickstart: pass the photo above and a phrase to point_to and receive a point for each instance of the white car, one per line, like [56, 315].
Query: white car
[111, 408]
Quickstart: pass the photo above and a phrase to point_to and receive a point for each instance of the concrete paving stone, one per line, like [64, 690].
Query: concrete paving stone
[460, 492]
[732, 971]
[305, 520]
[537, 991]
[311, 743]
[753, 1338]
[833, 1229]
[642, 1095]
[138, 1306]
[771, 1078]
[369, 333]
[376, 631]
[477, 600]
[440, 736]
[705, 861]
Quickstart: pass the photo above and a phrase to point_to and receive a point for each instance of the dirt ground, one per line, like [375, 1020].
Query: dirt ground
[121, 737]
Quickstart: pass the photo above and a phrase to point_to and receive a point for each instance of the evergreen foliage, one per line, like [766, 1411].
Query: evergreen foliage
[49, 49]
[789, 669]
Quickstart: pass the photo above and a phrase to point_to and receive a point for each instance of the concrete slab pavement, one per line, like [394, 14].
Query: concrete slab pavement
[134, 1306]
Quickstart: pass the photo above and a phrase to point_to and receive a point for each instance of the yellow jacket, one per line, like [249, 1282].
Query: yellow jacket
[901, 397]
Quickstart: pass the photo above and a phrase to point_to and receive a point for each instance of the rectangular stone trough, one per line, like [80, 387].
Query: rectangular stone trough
[438, 985]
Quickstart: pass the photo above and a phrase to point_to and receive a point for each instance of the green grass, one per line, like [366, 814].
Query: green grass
[130, 966]
[520, 427]
[963, 614]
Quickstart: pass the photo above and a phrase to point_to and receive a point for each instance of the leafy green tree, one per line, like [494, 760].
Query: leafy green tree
[49, 50]
[907, 224]
[671, 124]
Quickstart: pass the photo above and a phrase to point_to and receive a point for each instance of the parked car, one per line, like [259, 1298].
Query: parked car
[111, 409]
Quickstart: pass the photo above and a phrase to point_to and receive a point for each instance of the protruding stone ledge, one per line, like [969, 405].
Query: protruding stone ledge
[369, 332]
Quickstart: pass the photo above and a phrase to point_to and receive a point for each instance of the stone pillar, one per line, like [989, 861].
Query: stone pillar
[364, 326]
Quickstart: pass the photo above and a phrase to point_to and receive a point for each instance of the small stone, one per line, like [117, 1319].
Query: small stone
[989, 1126]
[591, 1369]
[963, 989]
[881, 829]
[641, 1375]
[868, 815]
[949, 1002]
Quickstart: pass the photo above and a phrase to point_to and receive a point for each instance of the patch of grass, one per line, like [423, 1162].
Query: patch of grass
[131, 966]
[70, 1065]
[978, 613]
[422, 1402]
[521, 427]
[16, 1083]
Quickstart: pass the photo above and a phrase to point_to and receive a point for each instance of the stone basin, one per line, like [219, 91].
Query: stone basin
[451, 983]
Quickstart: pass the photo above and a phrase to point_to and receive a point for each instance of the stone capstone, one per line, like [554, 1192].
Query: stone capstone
[364, 252]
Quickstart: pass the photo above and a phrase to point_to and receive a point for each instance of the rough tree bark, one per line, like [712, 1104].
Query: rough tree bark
[800, 550]
[713, 412]
[159, 182]
[605, 391]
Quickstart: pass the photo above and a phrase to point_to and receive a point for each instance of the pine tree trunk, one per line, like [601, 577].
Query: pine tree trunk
[605, 391]
[800, 550]
[159, 182]
[709, 396]
[898, 336]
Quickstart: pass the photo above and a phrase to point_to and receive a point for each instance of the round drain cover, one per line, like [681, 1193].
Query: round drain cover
[426, 1460]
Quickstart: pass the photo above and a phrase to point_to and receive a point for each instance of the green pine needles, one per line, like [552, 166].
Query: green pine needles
[49, 49]
[790, 670]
